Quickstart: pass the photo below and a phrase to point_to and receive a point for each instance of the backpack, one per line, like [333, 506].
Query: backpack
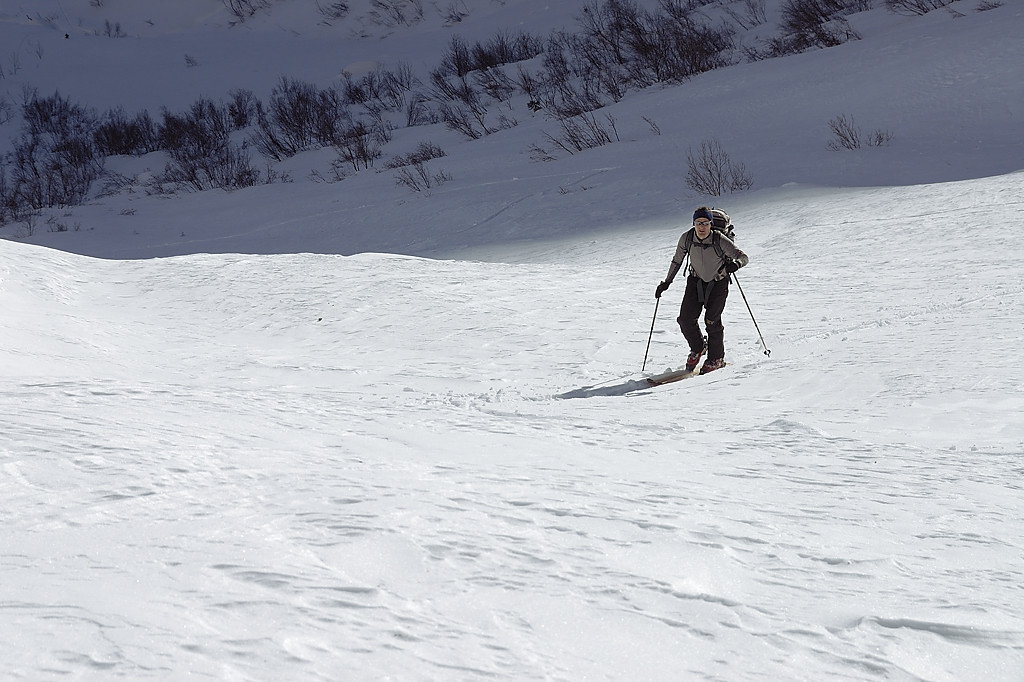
[720, 221]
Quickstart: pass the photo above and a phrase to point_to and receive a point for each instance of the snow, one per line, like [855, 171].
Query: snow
[344, 431]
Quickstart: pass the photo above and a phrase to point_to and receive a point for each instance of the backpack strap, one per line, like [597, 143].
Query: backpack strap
[716, 239]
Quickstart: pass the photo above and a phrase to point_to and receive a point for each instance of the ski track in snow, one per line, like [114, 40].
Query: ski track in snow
[360, 468]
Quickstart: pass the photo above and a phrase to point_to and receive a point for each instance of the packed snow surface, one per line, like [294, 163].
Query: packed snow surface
[347, 461]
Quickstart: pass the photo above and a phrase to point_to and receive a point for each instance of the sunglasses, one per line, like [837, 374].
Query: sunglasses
[702, 223]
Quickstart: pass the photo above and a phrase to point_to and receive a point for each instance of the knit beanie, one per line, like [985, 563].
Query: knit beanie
[702, 213]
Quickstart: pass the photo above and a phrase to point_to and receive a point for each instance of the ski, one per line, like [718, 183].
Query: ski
[672, 376]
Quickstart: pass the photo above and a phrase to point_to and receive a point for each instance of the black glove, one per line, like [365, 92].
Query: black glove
[662, 288]
[732, 266]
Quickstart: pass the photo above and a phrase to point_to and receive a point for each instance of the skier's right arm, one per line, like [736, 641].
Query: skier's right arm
[677, 260]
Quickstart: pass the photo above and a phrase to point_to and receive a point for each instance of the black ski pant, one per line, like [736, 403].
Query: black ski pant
[709, 296]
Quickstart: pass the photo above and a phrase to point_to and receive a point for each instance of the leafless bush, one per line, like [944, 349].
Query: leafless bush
[566, 87]
[462, 108]
[627, 44]
[848, 136]
[359, 146]
[712, 172]
[113, 30]
[202, 155]
[54, 160]
[242, 108]
[333, 11]
[584, 132]
[621, 45]
[15, 60]
[419, 178]
[503, 47]
[456, 59]
[6, 110]
[299, 116]
[750, 15]
[418, 111]
[29, 224]
[455, 12]
[912, 7]
[382, 88]
[6, 196]
[819, 23]
[393, 13]
[423, 153]
[119, 135]
[496, 84]
[243, 9]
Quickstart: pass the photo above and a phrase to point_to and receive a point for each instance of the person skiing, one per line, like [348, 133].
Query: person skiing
[713, 257]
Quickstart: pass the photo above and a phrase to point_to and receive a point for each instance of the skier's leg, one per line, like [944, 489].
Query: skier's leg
[689, 312]
[713, 320]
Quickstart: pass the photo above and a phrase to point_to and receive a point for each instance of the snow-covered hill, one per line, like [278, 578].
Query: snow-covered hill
[947, 88]
[259, 435]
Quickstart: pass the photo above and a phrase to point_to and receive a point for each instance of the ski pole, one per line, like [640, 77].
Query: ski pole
[763, 344]
[657, 302]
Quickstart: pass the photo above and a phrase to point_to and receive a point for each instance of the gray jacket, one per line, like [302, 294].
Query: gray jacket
[706, 259]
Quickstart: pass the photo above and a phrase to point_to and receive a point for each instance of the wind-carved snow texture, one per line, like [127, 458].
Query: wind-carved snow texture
[316, 467]
[319, 467]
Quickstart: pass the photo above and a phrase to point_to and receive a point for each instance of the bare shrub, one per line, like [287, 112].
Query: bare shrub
[423, 153]
[242, 108]
[15, 60]
[6, 110]
[846, 135]
[584, 132]
[119, 135]
[359, 146]
[418, 111]
[711, 172]
[201, 153]
[496, 84]
[455, 12]
[456, 59]
[621, 45]
[55, 159]
[462, 108]
[299, 116]
[113, 30]
[752, 14]
[393, 13]
[419, 178]
[819, 23]
[333, 11]
[243, 9]
[504, 47]
[382, 88]
[915, 7]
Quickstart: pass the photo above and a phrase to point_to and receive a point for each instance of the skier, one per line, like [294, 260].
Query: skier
[713, 257]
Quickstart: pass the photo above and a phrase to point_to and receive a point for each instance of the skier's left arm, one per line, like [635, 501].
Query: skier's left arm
[734, 257]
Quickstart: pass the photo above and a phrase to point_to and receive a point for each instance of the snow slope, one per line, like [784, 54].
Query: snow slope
[279, 443]
[327, 467]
